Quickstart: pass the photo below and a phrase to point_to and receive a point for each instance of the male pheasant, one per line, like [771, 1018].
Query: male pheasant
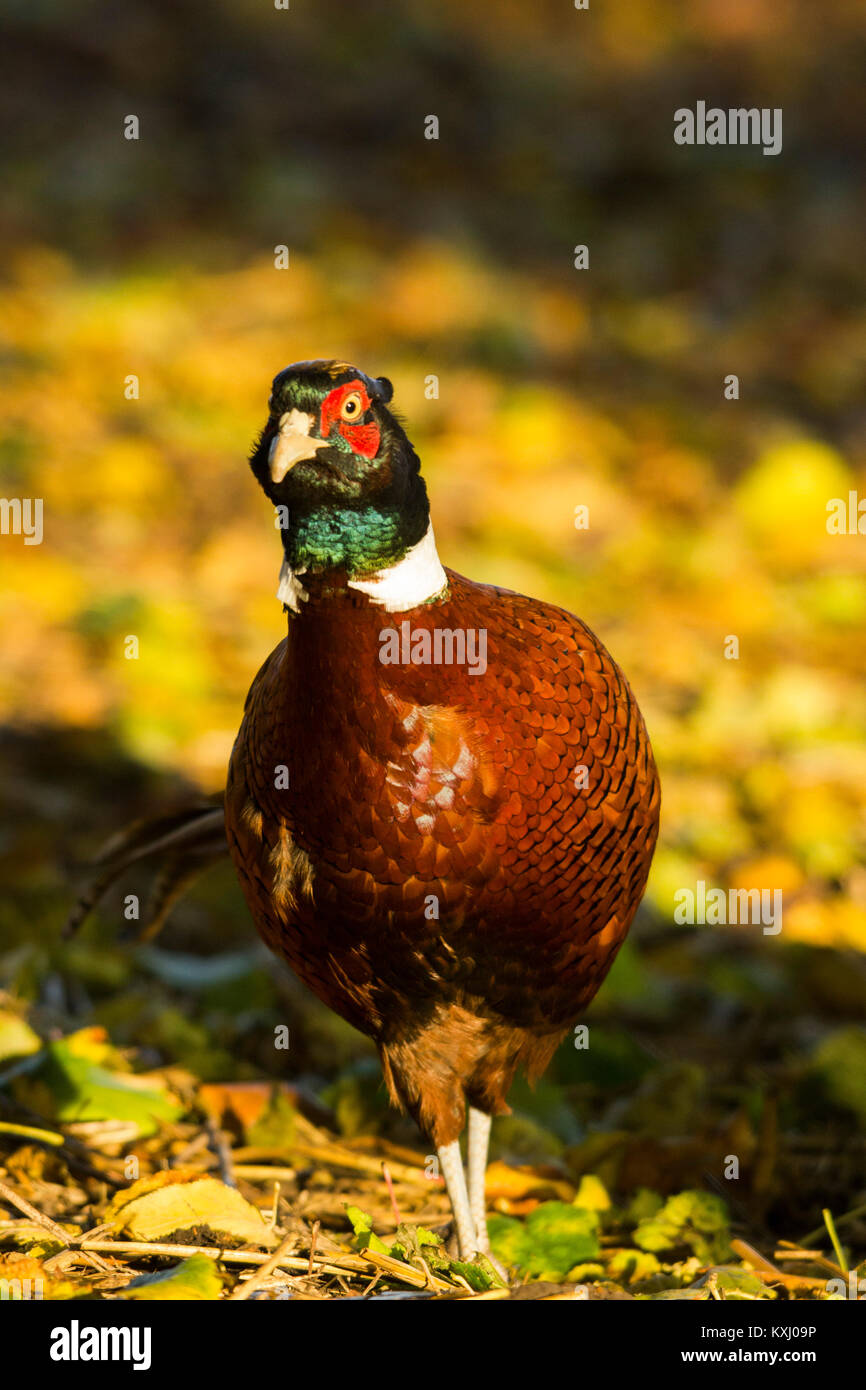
[442, 803]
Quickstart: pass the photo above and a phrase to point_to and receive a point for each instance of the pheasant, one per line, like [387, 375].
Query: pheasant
[442, 803]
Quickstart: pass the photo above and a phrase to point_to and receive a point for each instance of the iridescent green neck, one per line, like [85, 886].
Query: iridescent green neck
[359, 540]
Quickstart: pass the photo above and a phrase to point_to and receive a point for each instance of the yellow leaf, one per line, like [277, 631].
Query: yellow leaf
[168, 1204]
[592, 1194]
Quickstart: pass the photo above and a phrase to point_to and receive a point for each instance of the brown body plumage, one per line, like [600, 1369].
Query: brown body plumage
[520, 805]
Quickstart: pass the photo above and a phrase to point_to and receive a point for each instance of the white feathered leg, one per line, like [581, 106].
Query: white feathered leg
[477, 1144]
[451, 1163]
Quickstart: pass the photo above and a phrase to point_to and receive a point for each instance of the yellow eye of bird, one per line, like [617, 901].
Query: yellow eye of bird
[352, 406]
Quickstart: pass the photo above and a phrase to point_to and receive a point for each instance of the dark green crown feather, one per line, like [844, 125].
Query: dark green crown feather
[305, 384]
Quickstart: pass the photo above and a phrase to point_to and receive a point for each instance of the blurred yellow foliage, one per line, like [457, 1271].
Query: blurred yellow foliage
[154, 528]
[783, 501]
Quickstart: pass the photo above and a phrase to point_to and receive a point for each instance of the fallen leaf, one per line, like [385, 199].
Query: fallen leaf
[554, 1238]
[506, 1183]
[69, 1085]
[173, 1203]
[365, 1236]
[194, 1279]
[239, 1105]
[17, 1038]
[592, 1194]
[698, 1220]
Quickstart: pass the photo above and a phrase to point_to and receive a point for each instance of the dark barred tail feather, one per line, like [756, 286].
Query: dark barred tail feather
[182, 844]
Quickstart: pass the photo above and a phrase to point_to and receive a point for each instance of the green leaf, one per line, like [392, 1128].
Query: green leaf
[739, 1284]
[192, 1279]
[507, 1238]
[479, 1274]
[698, 1220]
[275, 1127]
[416, 1243]
[413, 1239]
[555, 1237]
[644, 1203]
[361, 1222]
[632, 1266]
[365, 1237]
[589, 1270]
[73, 1087]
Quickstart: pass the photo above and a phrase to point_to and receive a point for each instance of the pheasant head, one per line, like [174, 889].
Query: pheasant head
[338, 463]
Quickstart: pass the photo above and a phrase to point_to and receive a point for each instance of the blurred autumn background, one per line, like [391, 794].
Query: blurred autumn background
[558, 388]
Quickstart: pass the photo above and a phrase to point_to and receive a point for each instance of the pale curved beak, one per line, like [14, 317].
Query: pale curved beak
[293, 442]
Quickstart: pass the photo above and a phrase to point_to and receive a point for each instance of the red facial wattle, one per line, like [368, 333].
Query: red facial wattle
[362, 439]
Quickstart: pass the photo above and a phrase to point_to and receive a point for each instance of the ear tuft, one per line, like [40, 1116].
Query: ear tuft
[385, 387]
